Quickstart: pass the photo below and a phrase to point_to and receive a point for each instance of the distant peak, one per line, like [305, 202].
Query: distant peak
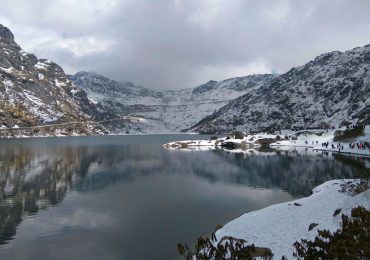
[86, 73]
[90, 74]
[205, 87]
[6, 33]
[212, 82]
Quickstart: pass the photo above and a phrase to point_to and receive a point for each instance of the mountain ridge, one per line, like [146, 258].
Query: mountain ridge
[162, 111]
[328, 91]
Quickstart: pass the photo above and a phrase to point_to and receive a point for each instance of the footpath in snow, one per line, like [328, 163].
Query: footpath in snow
[279, 226]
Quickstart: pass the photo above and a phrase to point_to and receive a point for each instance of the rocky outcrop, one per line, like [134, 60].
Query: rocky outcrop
[5, 33]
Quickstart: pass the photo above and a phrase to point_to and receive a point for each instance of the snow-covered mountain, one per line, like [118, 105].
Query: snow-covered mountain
[36, 91]
[150, 111]
[330, 90]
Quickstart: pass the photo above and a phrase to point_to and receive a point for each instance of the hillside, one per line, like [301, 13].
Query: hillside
[329, 91]
[148, 111]
[36, 91]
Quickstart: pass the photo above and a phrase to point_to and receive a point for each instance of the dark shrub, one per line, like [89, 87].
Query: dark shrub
[350, 133]
[238, 135]
[226, 248]
[350, 242]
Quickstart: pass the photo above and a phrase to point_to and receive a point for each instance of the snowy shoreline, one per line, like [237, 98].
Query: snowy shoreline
[279, 226]
[311, 139]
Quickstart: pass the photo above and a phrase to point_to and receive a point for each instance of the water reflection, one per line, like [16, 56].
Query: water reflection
[31, 180]
[34, 177]
[296, 171]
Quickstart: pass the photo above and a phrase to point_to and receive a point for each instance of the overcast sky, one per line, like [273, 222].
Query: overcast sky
[172, 44]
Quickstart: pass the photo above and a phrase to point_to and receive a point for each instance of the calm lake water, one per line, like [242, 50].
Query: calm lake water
[126, 197]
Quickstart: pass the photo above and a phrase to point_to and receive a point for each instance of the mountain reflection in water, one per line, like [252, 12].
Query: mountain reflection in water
[36, 175]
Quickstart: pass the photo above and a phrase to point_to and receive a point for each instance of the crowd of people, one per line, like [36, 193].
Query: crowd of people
[338, 146]
[360, 146]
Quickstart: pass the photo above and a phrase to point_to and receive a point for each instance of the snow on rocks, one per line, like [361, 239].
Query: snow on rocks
[283, 138]
[219, 142]
[279, 226]
[42, 65]
[7, 70]
[192, 143]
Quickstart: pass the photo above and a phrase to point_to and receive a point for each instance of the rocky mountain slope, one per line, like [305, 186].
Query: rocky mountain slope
[148, 111]
[36, 91]
[330, 90]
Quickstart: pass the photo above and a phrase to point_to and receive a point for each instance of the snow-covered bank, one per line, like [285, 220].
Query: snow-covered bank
[309, 139]
[315, 140]
[279, 226]
[283, 138]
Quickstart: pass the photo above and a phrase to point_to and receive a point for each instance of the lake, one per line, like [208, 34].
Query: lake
[126, 197]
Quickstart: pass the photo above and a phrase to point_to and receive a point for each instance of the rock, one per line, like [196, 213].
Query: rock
[297, 204]
[336, 212]
[312, 226]
[361, 187]
[33, 59]
[228, 145]
[6, 33]
[265, 142]
[262, 252]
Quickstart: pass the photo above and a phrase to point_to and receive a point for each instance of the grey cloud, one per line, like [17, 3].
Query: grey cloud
[177, 44]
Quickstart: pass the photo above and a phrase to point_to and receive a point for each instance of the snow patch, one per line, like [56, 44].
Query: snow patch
[41, 65]
[279, 226]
